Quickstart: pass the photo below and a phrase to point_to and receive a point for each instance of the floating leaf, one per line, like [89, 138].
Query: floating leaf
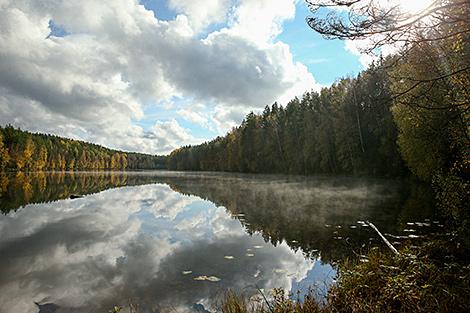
[229, 257]
[258, 247]
[250, 254]
[249, 249]
[353, 226]
[208, 278]
[187, 272]
[294, 241]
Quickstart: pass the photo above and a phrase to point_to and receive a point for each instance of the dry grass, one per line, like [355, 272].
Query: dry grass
[429, 279]
[279, 303]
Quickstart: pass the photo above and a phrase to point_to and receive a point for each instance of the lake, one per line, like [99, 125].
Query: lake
[170, 241]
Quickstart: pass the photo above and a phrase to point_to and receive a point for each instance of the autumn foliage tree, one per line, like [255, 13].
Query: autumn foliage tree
[429, 76]
[24, 151]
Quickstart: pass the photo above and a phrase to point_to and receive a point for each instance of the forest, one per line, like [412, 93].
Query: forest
[345, 129]
[25, 151]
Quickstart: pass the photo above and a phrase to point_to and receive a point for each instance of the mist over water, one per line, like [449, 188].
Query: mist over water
[169, 240]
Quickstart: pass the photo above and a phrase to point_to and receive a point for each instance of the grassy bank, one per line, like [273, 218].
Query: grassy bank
[434, 277]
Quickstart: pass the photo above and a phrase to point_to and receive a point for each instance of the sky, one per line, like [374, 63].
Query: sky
[153, 75]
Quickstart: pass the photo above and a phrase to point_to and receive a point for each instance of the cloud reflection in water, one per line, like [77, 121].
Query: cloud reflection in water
[91, 253]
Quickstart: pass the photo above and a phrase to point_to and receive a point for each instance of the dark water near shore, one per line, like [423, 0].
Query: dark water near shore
[169, 241]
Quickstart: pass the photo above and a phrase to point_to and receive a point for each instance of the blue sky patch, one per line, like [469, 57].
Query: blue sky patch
[56, 30]
[159, 8]
[327, 60]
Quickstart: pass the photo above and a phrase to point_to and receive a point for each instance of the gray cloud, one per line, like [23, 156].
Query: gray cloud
[93, 83]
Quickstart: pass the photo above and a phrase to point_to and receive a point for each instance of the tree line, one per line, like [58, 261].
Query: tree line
[347, 128]
[25, 151]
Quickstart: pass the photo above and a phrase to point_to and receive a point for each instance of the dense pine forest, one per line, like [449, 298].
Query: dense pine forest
[345, 129]
[24, 151]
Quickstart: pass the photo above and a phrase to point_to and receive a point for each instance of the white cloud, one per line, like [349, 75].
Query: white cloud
[227, 117]
[93, 83]
[169, 135]
[355, 47]
[203, 12]
[407, 8]
[195, 114]
[261, 20]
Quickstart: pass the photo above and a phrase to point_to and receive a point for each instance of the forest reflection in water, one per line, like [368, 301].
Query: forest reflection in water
[178, 240]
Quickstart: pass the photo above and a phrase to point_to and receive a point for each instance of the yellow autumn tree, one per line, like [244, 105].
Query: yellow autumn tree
[41, 161]
[28, 153]
[4, 155]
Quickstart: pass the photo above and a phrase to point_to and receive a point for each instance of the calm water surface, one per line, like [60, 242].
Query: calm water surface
[169, 241]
